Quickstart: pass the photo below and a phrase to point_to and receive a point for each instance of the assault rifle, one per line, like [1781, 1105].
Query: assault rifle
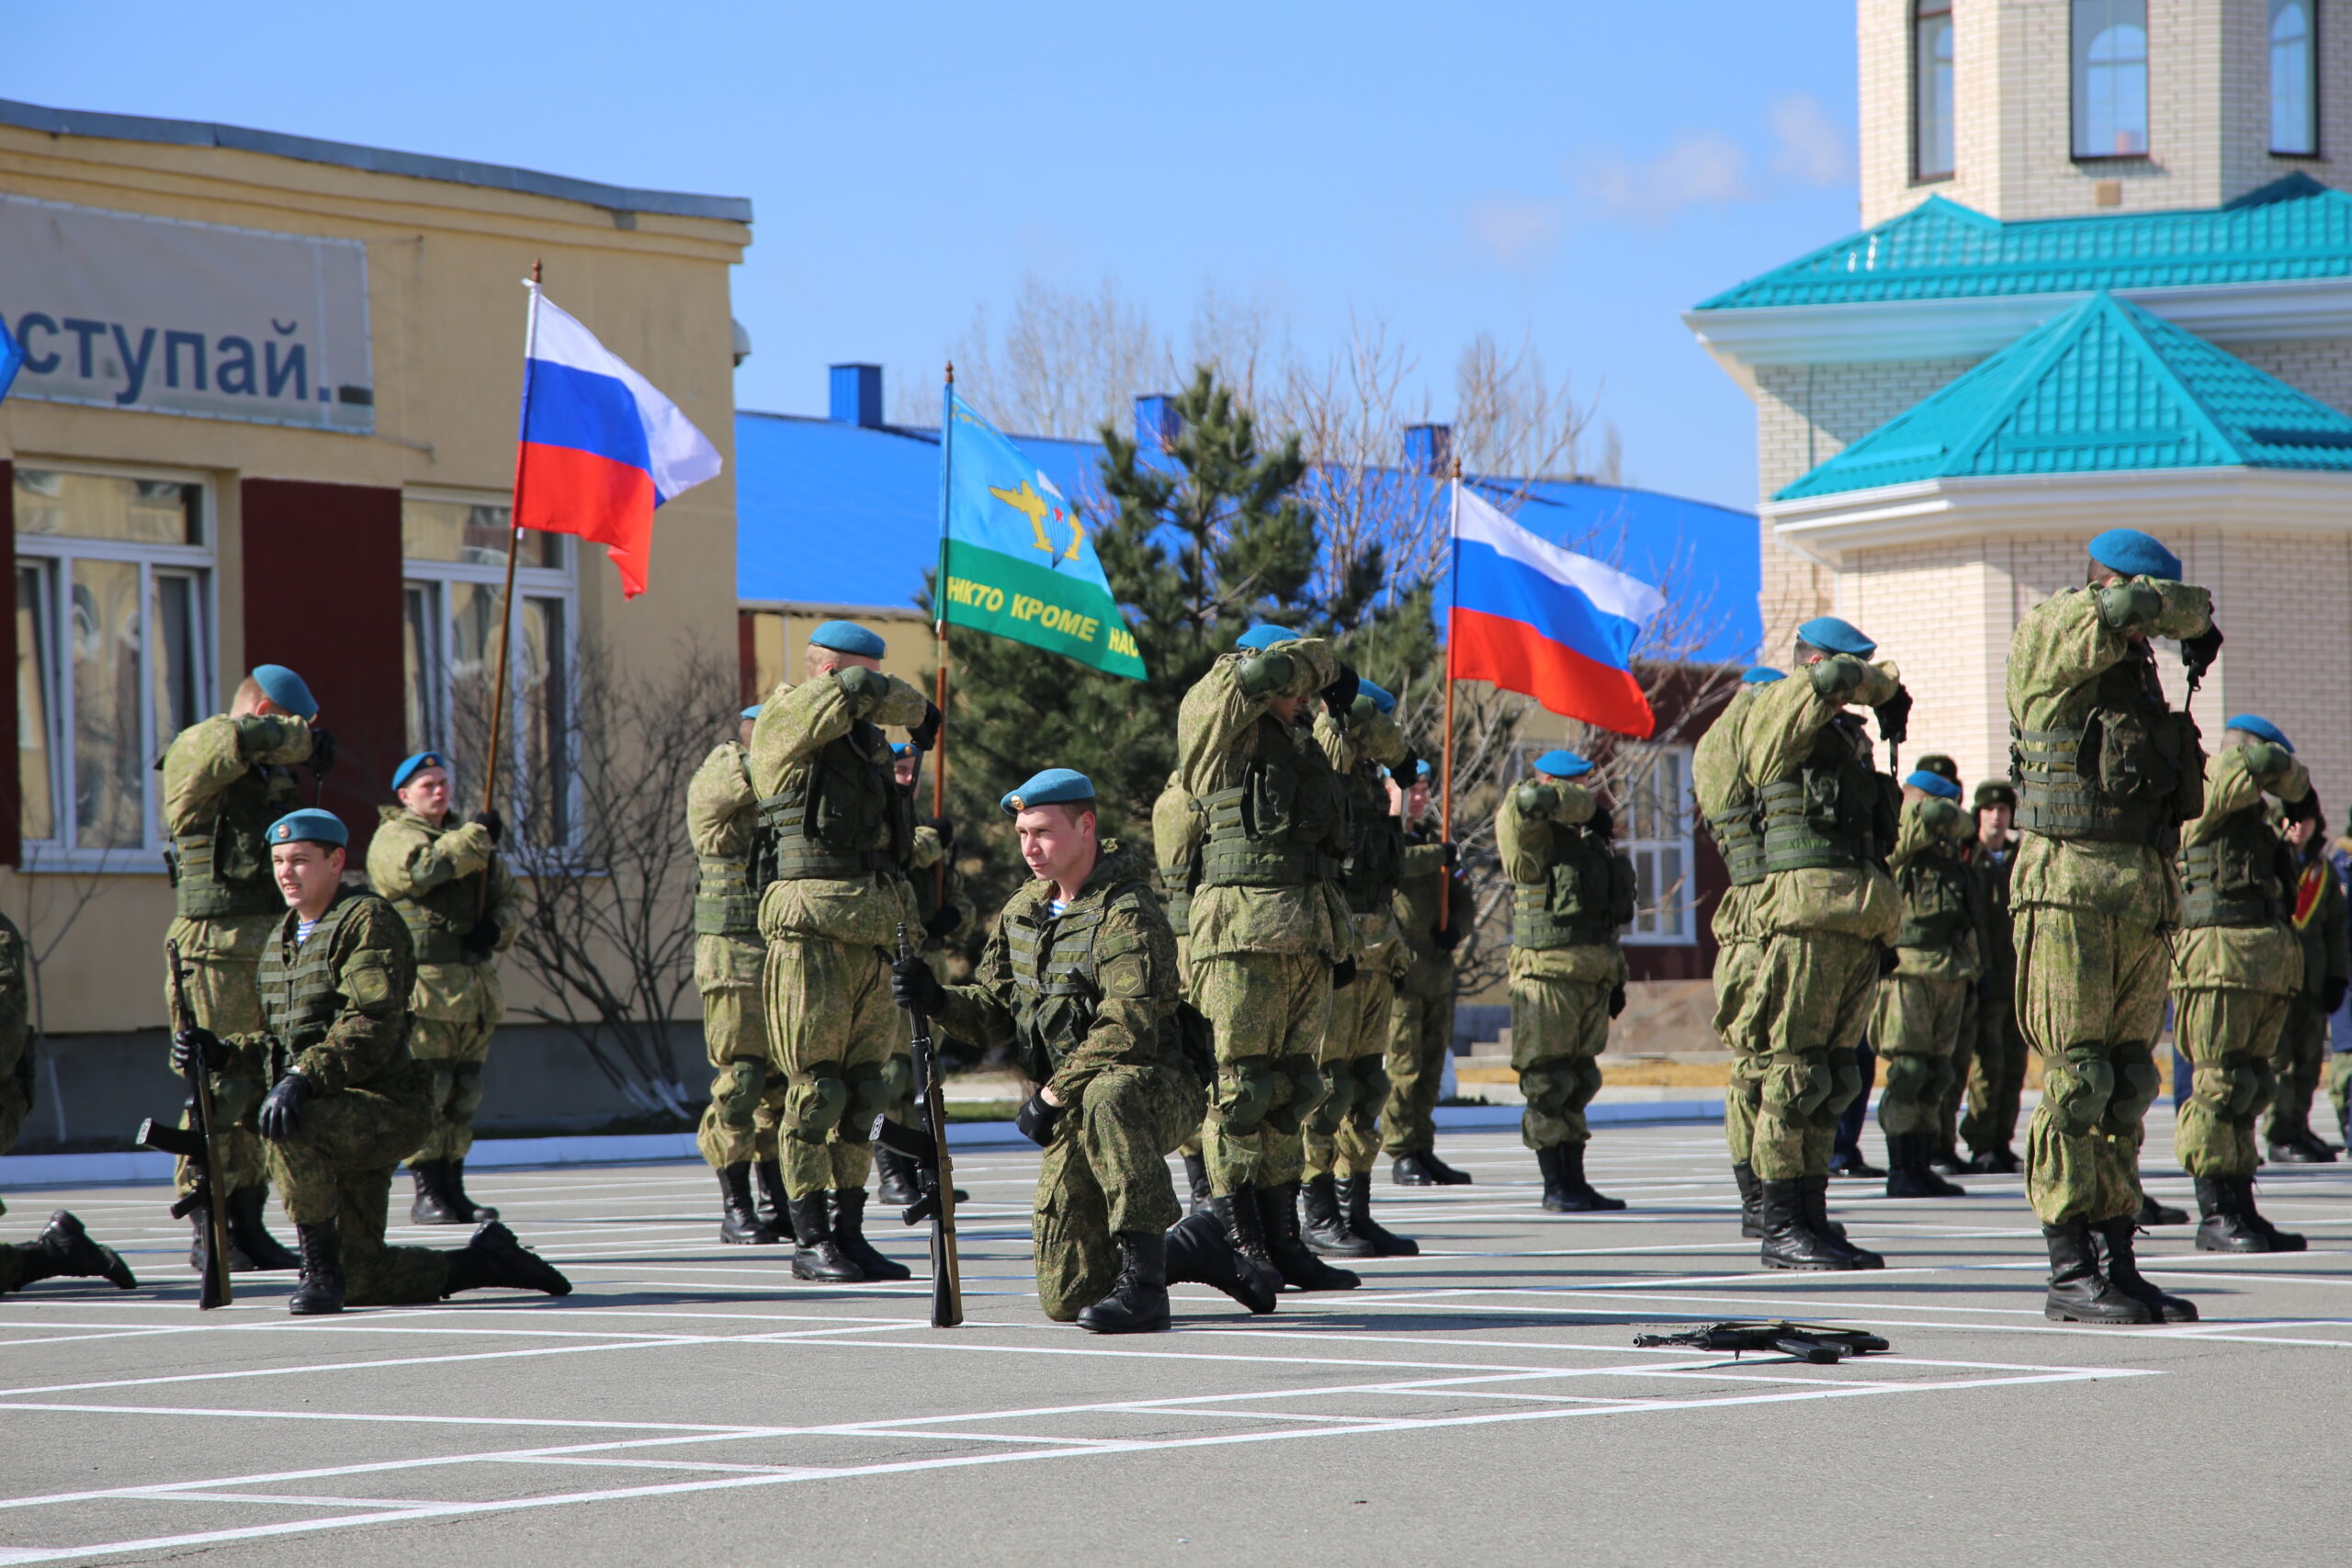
[927, 1145]
[201, 1146]
[1812, 1342]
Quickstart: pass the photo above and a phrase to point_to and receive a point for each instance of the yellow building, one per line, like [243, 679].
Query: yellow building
[267, 412]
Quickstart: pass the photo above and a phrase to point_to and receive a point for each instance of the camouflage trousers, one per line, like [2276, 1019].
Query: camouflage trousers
[2090, 996]
[454, 1051]
[223, 960]
[2302, 1053]
[1420, 1033]
[1812, 997]
[1996, 1077]
[1342, 1137]
[1558, 1030]
[1946, 1124]
[1106, 1173]
[2339, 1088]
[338, 1165]
[1269, 1011]
[1916, 1026]
[2228, 1037]
[747, 1092]
[1736, 965]
[834, 1031]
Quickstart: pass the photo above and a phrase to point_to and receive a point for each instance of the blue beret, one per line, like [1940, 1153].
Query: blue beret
[1055, 787]
[1763, 675]
[1258, 638]
[1831, 635]
[1421, 769]
[901, 747]
[2135, 554]
[1382, 698]
[2261, 728]
[848, 636]
[286, 689]
[1563, 763]
[1936, 785]
[751, 712]
[411, 766]
[310, 826]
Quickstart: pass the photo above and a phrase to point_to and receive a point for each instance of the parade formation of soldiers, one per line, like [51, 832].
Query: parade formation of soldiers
[1267, 990]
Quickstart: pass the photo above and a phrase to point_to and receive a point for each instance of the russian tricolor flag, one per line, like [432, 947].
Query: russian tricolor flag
[600, 447]
[1534, 618]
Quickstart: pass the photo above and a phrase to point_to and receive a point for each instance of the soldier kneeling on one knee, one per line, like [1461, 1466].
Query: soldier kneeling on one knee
[1080, 979]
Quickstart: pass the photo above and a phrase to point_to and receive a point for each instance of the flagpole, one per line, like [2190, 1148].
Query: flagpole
[939, 628]
[1452, 598]
[514, 548]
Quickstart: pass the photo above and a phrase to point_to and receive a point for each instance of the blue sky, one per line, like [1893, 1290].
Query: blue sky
[1576, 172]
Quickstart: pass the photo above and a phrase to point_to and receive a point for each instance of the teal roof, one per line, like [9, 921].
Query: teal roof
[2104, 386]
[2292, 228]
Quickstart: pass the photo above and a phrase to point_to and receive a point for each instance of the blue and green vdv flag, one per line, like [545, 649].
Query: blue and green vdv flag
[1014, 557]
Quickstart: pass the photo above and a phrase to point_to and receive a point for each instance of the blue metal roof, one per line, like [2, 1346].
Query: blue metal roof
[832, 512]
[2105, 386]
[2292, 228]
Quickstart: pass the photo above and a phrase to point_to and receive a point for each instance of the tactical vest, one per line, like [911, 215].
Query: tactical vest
[439, 921]
[1835, 812]
[1376, 860]
[1936, 909]
[2243, 875]
[841, 816]
[1737, 834]
[222, 868]
[1054, 987]
[1284, 826]
[1585, 895]
[298, 997]
[2129, 774]
[726, 901]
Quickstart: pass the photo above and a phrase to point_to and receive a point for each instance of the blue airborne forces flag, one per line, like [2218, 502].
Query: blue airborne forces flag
[1014, 557]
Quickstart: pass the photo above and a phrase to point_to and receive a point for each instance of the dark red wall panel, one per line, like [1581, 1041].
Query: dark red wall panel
[12, 849]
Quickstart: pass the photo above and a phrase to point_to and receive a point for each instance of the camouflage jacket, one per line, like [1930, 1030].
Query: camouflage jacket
[2266, 958]
[1717, 781]
[409, 860]
[1775, 736]
[209, 759]
[794, 725]
[1426, 880]
[1938, 939]
[372, 973]
[1521, 841]
[1997, 948]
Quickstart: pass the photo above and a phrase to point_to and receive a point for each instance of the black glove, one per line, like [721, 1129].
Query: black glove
[945, 827]
[1405, 772]
[924, 736]
[914, 986]
[943, 920]
[1602, 824]
[1447, 937]
[1887, 959]
[1035, 1119]
[2199, 652]
[1453, 853]
[2331, 998]
[322, 751]
[1616, 998]
[281, 1113]
[488, 817]
[191, 1045]
[1343, 973]
[1895, 717]
[483, 941]
[1340, 696]
[2303, 810]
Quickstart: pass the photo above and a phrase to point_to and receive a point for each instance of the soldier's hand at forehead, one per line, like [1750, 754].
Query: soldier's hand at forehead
[925, 735]
[322, 750]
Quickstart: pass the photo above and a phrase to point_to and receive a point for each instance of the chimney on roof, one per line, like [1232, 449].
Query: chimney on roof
[1429, 448]
[1156, 422]
[856, 396]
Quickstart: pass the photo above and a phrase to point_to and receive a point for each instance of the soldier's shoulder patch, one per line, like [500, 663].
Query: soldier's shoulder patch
[1127, 974]
[367, 980]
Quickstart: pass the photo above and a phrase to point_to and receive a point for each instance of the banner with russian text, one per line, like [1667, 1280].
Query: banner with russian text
[1014, 556]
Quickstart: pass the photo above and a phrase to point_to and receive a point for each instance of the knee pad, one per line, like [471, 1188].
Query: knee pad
[2078, 1088]
[2137, 1083]
[736, 1092]
[465, 1092]
[1308, 1089]
[1244, 1092]
[1905, 1077]
[2242, 1080]
[1796, 1083]
[899, 1072]
[869, 1096]
[813, 1105]
[1339, 1098]
[1845, 1076]
[1550, 1086]
[1371, 1087]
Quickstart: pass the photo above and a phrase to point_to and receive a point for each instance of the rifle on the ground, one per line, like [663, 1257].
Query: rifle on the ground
[1814, 1342]
[927, 1145]
[201, 1146]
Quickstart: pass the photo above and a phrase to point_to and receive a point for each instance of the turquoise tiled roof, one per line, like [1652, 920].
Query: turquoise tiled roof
[2105, 386]
[2292, 228]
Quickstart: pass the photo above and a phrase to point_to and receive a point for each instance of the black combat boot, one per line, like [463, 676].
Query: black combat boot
[1300, 1268]
[2078, 1292]
[1789, 1240]
[1423, 1168]
[2122, 1272]
[1566, 1191]
[2001, 1161]
[1816, 1214]
[493, 1259]
[1139, 1302]
[66, 1248]
[2223, 1228]
[739, 1217]
[1944, 1160]
[2154, 1213]
[815, 1254]
[2281, 1241]
[432, 1204]
[1238, 1211]
[251, 1247]
[1751, 1199]
[1908, 1172]
[1196, 1177]
[1326, 1229]
[1200, 1253]
[320, 1291]
[1355, 1201]
[849, 1235]
[453, 1187]
[898, 1178]
[774, 1208]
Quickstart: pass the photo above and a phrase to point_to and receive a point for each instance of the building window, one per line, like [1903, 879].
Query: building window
[2111, 48]
[1657, 826]
[1932, 90]
[2294, 78]
[113, 654]
[456, 567]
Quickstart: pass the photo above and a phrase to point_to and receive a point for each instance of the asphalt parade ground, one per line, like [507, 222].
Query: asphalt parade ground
[1482, 1402]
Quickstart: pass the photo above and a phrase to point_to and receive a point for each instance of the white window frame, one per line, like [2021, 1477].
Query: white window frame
[530, 582]
[59, 551]
[1645, 852]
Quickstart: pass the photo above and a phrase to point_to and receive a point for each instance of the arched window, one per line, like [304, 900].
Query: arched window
[2111, 50]
[1931, 89]
[2294, 78]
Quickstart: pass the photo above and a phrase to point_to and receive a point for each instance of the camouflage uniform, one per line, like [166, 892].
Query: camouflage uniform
[747, 1092]
[1995, 1079]
[1571, 892]
[225, 781]
[1088, 1000]
[1420, 1018]
[1729, 803]
[2318, 915]
[434, 877]
[1920, 1007]
[1178, 826]
[2093, 885]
